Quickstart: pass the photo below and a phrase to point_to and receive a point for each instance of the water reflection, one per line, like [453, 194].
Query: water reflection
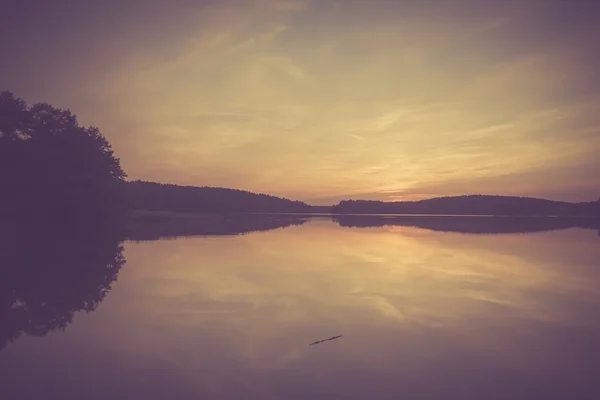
[50, 272]
[423, 314]
[470, 224]
[153, 226]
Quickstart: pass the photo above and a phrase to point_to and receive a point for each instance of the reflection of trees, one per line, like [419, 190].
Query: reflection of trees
[157, 225]
[48, 273]
[468, 224]
[53, 169]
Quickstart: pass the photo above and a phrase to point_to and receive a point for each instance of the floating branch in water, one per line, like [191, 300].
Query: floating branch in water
[324, 340]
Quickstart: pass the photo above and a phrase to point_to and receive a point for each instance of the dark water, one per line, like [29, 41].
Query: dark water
[424, 314]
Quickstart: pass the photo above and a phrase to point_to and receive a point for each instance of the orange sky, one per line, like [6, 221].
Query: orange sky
[325, 100]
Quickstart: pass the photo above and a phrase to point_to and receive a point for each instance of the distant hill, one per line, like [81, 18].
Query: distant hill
[153, 196]
[471, 205]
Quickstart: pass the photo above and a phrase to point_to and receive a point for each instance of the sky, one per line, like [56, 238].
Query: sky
[323, 100]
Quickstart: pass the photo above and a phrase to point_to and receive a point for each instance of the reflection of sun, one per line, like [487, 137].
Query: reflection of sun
[409, 231]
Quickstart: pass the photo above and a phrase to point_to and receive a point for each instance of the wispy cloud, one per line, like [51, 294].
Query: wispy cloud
[322, 99]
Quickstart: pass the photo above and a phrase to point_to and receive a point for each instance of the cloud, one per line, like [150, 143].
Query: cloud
[322, 99]
[572, 182]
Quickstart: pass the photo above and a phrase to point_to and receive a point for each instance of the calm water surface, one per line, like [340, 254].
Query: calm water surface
[424, 314]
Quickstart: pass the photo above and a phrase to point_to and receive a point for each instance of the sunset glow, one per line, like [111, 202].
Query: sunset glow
[327, 100]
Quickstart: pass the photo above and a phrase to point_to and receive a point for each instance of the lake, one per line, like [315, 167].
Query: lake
[441, 309]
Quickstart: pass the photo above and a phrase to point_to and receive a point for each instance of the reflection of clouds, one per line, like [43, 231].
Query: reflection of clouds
[424, 314]
[384, 306]
[259, 298]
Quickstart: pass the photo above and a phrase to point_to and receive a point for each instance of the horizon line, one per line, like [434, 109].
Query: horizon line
[364, 200]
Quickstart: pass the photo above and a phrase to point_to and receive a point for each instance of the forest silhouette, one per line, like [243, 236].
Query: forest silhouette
[61, 226]
[151, 196]
[472, 205]
[66, 209]
[51, 168]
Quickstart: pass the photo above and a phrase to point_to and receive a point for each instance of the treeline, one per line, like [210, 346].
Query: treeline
[53, 168]
[471, 205]
[153, 196]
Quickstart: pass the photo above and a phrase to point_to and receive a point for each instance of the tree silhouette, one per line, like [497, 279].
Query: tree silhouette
[52, 168]
[471, 205]
[48, 273]
[153, 196]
